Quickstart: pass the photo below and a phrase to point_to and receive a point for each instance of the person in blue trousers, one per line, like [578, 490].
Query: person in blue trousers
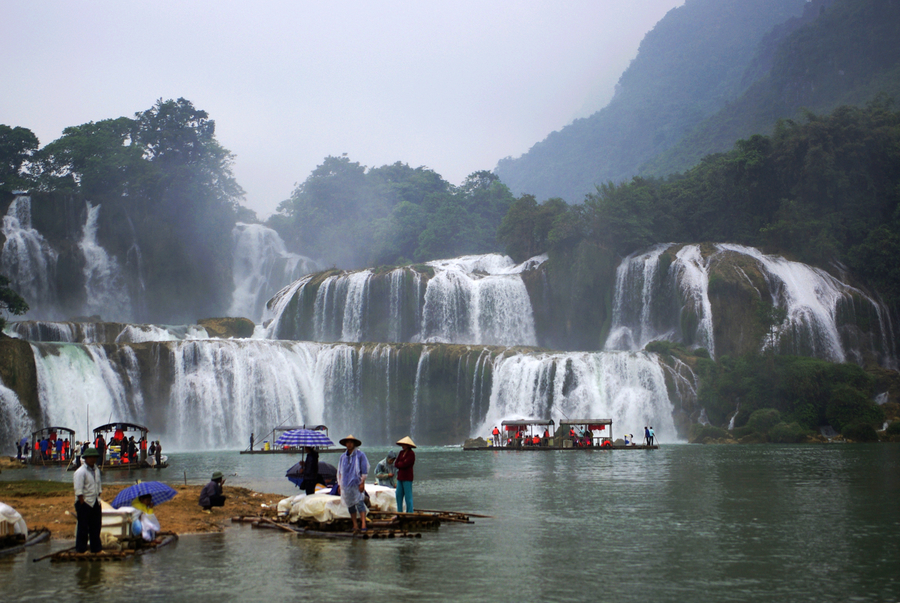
[404, 464]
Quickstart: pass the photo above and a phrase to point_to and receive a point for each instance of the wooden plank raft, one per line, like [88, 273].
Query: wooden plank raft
[376, 529]
[167, 538]
[16, 545]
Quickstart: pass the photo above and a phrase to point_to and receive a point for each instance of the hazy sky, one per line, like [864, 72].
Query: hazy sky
[453, 86]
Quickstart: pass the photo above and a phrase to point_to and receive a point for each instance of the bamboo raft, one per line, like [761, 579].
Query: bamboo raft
[140, 548]
[12, 545]
[380, 524]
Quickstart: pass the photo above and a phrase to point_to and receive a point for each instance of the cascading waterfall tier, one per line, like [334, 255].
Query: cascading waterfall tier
[214, 393]
[478, 300]
[261, 267]
[104, 284]
[100, 332]
[695, 295]
[27, 260]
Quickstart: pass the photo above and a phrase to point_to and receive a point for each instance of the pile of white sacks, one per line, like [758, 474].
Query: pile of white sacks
[11, 521]
[325, 507]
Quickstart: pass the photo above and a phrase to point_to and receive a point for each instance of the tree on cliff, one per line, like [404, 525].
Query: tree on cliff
[17, 145]
[165, 184]
[10, 301]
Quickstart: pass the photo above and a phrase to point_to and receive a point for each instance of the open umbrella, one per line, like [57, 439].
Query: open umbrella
[158, 490]
[303, 437]
[327, 474]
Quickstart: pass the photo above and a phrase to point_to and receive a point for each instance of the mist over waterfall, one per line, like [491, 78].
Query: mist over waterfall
[205, 394]
[105, 286]
[27, 259]
[479, 300]
[262, 265]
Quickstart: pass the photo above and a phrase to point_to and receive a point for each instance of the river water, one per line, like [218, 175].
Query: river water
[683, 523]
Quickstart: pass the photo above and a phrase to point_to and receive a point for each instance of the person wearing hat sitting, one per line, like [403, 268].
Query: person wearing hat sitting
[404, 464]
[384, 470]
[352, 470]
[211, 495]
[87, 503]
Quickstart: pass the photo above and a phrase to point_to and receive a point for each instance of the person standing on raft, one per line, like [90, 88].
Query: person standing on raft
[310, 471]
[87, 503]
[352, 470]
[404, 464]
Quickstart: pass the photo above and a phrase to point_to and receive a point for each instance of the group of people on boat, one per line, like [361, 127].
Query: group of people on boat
[48, 448]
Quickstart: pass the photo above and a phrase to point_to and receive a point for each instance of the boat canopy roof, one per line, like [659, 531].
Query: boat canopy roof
[49, 430]
[590, 423]
[310, 427]
[121, 426]
[521, 424]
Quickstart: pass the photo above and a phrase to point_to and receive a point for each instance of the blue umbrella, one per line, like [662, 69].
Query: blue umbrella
[158, 490]
[303, 437]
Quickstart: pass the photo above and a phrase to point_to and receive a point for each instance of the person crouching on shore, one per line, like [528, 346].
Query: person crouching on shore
[211, 495]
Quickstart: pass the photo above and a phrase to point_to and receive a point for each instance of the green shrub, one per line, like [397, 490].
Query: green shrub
[763, 420]
[701, 353]
[702, 433]
[788, 433]
[848, 405]
[893, 429]
[739, 432]
[860, 432]
[660, 346]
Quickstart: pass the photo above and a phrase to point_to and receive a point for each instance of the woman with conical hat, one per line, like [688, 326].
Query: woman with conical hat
[404, 464]
[352, 470]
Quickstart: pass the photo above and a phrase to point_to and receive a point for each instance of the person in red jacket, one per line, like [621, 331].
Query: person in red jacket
[404, 465]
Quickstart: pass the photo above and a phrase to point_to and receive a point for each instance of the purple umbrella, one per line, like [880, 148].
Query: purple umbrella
[158, 490]
[303, 437]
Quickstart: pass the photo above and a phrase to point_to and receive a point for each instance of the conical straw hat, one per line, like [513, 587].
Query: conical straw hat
[406, 440]
[350, 438]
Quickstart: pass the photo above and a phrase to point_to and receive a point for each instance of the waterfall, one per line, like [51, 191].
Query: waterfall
[27, 259]
[637, 292]
[812, 299]
[418, 392]
[261, 266]
[100, 332]
[478, 300]
[104, 282]
[628, 387]
[14, 421]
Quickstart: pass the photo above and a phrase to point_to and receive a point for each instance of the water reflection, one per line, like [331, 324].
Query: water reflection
[733, 523]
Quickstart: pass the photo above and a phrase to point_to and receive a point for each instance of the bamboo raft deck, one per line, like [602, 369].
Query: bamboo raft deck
[380, 525]
[20, 544]
[141, 548]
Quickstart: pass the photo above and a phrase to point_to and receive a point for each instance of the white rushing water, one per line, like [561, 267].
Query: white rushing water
[104, 283]
[652, 301]
[627, 387]
[261, 267]
[27, 259]
[470, 300]
[199, 395]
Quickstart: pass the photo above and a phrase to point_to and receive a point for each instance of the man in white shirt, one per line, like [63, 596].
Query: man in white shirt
[87, 503]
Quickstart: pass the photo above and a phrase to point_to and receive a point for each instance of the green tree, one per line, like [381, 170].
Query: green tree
[10, 301]
[17, 145]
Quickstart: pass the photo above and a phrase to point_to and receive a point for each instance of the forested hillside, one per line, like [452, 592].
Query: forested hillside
[824, 190]
[687, 69]
[841, 52]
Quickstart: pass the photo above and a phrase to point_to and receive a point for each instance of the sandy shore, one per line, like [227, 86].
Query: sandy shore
[51, 504]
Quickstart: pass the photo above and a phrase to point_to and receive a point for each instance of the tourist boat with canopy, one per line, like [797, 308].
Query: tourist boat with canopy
[118, 438]
[51, 447]
[539, 434]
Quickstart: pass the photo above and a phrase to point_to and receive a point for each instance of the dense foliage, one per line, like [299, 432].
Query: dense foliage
[824, 189]
[840, 52]
[10, 301]
[794, 389]
[350, 216]
[167, 193]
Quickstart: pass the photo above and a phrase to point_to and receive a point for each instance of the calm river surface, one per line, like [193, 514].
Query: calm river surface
[683, 523]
